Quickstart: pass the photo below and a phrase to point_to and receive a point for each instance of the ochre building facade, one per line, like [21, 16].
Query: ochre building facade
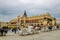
[44, 19]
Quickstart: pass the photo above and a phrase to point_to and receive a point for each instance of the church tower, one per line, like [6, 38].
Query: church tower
[24, 17]
[25, 14]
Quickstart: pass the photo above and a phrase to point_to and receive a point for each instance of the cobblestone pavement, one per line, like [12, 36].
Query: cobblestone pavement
[54, 35]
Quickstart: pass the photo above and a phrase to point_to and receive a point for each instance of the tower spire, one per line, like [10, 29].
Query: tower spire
[25, 14]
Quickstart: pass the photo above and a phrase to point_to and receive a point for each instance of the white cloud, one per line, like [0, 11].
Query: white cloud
[34, 7]
[46, 3]
[30, 3]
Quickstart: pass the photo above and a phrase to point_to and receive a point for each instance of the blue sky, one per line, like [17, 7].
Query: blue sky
[10, 9]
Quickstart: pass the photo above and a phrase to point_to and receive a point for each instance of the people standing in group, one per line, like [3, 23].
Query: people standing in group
[42, 28]
[14, 30]
[3, 30]
[58, 27]
[50, 27]
[54, 27]
[37, 27]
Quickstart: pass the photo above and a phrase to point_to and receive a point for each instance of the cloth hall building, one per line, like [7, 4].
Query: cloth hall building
[44, 19]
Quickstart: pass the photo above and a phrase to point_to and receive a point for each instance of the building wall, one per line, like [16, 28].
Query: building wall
[36, 19]
[42, 19]
[3, 24]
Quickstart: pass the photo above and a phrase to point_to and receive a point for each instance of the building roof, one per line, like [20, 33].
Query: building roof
[14, 20]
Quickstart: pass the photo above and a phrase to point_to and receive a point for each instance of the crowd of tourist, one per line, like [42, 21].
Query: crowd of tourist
[29, 29]
[33, 29]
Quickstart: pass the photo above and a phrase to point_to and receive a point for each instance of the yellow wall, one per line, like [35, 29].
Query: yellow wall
[41, 19]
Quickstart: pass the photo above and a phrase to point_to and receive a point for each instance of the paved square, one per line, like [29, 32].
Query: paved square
[54, 35]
